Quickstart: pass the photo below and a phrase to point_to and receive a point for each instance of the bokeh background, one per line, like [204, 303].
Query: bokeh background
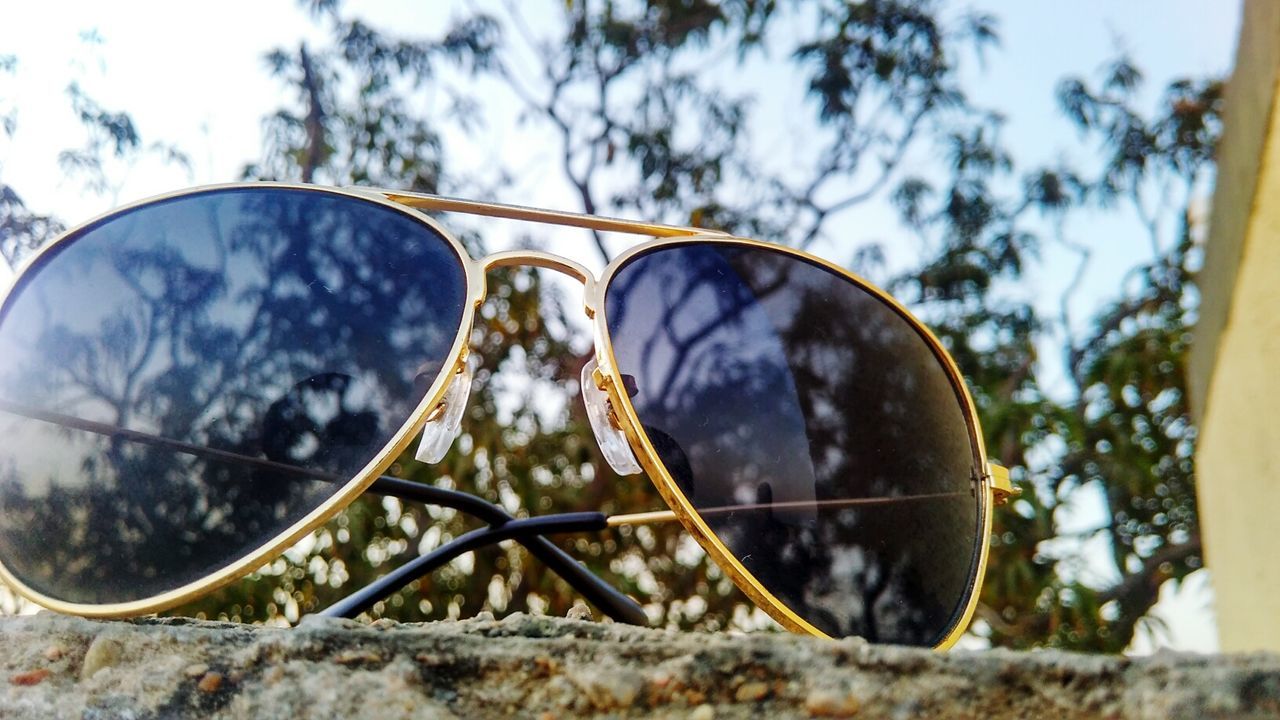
[1032, 179]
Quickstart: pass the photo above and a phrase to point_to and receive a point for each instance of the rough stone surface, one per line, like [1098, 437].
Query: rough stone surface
[60, 667]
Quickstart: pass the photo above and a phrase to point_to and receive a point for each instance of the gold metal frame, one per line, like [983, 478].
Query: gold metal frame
[994, 481]
[683, 508]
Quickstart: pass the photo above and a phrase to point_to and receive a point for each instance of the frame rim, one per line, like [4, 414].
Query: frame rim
[243, 565]
[683, 508]
[415, 205]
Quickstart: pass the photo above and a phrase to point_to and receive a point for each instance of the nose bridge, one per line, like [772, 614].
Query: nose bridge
[546, 260]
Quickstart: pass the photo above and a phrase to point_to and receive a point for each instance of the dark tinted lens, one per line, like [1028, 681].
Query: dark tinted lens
[814, 429]
[288, 327]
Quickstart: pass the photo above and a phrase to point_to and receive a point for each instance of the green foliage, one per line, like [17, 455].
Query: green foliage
[20, 229]
[112, 144]
[110, 135]
[1126, 433]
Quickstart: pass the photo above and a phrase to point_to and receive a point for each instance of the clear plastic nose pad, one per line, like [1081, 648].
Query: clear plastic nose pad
[439, 432]
[612, 441]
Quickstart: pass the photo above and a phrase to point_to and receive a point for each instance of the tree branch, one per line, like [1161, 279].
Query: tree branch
[314, 122]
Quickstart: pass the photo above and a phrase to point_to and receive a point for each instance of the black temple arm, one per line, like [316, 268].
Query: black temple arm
[589, 585]
[523, 529]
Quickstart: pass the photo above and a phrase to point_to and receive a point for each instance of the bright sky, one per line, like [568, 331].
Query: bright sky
[193, 74]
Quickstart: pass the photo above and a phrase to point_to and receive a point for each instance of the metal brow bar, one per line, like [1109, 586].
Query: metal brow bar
[590, 586]
[662, 516]
[422, 201]
[366, 597]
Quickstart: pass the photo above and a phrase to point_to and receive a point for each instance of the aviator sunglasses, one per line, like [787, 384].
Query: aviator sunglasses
[191, 384]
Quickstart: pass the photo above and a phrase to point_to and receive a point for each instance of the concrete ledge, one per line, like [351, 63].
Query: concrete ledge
[59, 667]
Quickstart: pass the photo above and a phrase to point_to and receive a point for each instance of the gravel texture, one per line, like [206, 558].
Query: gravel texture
[551, 668]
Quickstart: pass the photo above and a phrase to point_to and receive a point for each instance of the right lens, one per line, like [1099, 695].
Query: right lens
[164, 371]
[814, 429]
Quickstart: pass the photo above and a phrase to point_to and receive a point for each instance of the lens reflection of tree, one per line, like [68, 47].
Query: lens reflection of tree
[288, 326]
[805, 387]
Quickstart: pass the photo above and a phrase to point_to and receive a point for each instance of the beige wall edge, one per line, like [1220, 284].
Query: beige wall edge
[1248, 105]
[1235, 360]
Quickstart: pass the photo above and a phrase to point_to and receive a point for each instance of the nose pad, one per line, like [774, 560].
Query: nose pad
[612, 441]
[446, 420]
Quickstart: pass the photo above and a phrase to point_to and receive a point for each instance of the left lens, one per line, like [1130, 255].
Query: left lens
[814, 429]
[182, 382]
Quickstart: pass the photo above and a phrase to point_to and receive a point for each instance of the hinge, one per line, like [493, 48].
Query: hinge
[1002, 488]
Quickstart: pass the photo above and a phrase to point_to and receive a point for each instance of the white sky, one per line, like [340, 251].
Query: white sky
[193, 74]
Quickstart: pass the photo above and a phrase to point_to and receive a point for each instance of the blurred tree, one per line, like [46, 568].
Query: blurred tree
[630, 94]
[1125, 432]
[667, 143]
[20, 229]
[111, 146]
